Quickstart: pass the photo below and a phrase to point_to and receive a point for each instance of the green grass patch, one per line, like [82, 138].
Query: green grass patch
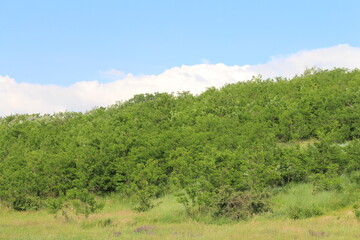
[300, 201]
[166, 210]
[167, 220]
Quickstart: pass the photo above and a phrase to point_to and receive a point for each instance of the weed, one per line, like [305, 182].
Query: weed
[356, 211]
[105, 222]
[297, 212]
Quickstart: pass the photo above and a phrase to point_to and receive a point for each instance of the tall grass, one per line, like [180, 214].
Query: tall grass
[301, 201]
[168, 210]
[168, 220]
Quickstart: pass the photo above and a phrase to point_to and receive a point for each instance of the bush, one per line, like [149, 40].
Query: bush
[297, 212]
[105, 222]
[327, 181]
[240, 205]
[24, 203]
[356, 211]
[144, 198]
[224, 202]
[322, 182]
[148, 184]
[76, 203]
[54, 204]
[355, 177]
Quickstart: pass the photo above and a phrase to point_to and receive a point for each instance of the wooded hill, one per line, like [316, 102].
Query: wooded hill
[221, 152]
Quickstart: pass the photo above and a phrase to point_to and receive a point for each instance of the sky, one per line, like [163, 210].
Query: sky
[75, 55]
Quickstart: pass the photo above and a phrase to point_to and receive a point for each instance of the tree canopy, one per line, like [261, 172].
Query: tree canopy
[239, 139]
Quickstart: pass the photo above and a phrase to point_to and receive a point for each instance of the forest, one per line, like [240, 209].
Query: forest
[222, 153]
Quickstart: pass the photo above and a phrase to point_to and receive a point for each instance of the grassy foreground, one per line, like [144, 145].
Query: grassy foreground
[168, 221]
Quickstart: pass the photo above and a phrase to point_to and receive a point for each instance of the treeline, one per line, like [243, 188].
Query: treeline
[220, 152]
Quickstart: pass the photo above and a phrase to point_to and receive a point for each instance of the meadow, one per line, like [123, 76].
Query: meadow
[168, 220]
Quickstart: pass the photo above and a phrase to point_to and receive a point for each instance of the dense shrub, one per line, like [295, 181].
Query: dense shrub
[221, 149]
[240, 205]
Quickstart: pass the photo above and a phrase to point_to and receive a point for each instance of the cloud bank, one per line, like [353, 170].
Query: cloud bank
[81, 96]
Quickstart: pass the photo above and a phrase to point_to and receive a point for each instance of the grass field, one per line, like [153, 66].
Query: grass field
[169, 221]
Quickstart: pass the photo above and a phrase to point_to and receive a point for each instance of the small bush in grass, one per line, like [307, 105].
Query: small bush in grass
[144, 198]
[224, 203]
[356, 211]
[297, 212]
[240, 205]
[327, 181]
[23, 203]
[54, 204]
[323, 183]
[76, 203]
[355, 177]
[105, 222]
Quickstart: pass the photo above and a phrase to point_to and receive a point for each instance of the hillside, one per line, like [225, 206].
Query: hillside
[223, 153]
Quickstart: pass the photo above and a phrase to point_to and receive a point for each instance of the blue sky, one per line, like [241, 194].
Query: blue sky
[62, 55]
[64, 42]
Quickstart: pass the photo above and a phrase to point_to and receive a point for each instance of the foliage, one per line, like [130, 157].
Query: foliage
[356, 211]
[77, 202]
[240, 205]
[327, 181]
[222, 148]
[296, 212]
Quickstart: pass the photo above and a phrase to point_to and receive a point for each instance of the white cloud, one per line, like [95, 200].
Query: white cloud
[325, 58]
[34, 98]
[113, 73]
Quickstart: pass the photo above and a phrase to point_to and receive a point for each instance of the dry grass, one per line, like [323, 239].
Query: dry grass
[300, 143]
[167, 221]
